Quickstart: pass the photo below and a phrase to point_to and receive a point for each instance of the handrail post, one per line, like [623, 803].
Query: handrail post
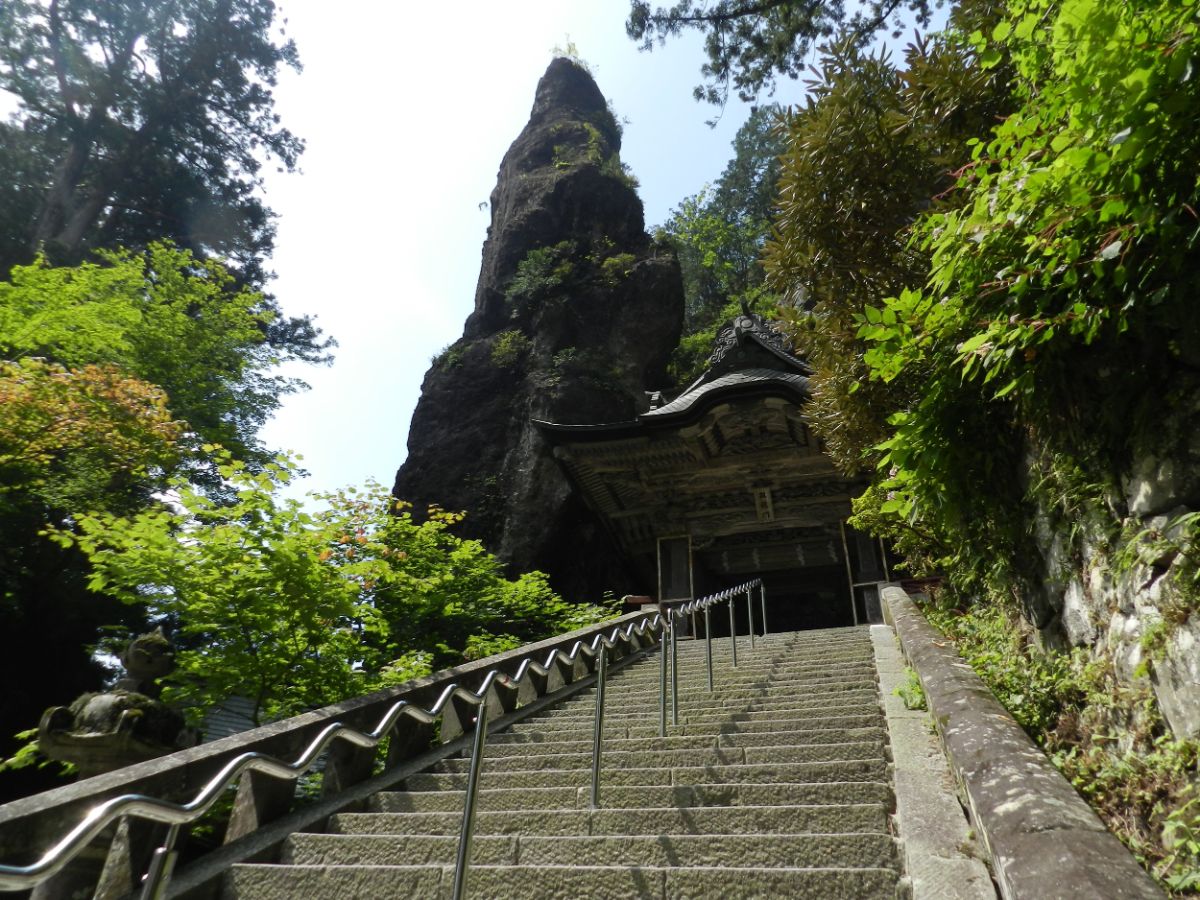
[732, 632]
[161, 865]
[708, 646]
[468, 820]
[750, 614]
[662, 681]
[674, 671]
[598, 735]
[762, 593]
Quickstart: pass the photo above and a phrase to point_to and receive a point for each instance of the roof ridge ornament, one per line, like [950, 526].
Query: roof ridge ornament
[748, 325]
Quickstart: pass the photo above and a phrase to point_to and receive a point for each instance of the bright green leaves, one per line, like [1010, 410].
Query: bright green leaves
[164, 317]
[1065, 254]
[296, 609]
[71, 439]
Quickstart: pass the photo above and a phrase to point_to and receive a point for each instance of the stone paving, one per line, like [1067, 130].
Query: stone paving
[779, 783]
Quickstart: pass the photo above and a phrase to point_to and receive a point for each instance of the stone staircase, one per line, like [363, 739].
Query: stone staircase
[777, 784]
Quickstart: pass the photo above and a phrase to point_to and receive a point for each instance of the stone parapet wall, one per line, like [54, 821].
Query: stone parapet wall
[1044, 841]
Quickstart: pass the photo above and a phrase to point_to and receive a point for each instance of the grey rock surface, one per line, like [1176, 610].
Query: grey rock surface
[576, 313]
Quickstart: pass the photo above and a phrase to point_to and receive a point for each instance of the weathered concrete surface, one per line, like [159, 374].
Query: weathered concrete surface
[941, 858]
[1044, 841]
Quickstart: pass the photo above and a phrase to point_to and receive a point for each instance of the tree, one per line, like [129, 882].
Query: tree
[296, 609]
[89, 438]
[750, 43]
[167, 318]
[1069, 245]
[143, 120]
[719, 234]
[119, 371]
[75, 439]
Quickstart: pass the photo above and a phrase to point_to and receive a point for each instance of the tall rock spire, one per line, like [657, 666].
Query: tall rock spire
[576, 312]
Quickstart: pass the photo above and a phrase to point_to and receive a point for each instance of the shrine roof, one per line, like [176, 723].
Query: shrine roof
[742, 378]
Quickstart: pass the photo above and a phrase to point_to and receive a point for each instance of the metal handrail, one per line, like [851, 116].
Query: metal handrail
[704, 604]
[165, 812]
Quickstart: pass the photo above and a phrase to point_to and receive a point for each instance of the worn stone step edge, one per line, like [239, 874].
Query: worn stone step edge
[496, 749]
[800, 850]
[255, 882]
[783, 794]
[832, 770]
[863, 818]
[533, 735]
[857, 704]
[724, 756]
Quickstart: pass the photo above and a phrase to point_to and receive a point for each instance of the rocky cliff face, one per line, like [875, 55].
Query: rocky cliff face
[1125, 588]
[576, 312]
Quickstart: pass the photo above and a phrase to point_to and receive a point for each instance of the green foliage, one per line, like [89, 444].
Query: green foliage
[251, 587]
[297, 609]
[450, 356]
[616, 268]
[1069, 242]
[585, 144]
[749, 43]
[691, 356]
[911, 691]
[1181, 840]
[539, 275]
[509, 348]
[613, 167]
[1033, 685]
[162, 316]
[1174, 545]
[141, 120]
[864, 158]
[718, 235]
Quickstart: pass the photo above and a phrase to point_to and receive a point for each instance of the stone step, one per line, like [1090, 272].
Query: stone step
[758, 850]
[824, 700]
[265, 882]
[870, 818]
[531, 734]
[699, 700]
[692, 742]
[858, 704]
[725, 691]
[697, 664]
[777, 783]
[639, 797]
[723, 756]
[757, 773]
[697, 667]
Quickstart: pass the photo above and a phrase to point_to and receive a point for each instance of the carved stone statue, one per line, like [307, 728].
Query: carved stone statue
[126, 725]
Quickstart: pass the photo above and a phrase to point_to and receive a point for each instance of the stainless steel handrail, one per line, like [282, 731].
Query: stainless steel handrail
[466, 831]
[16, 878]
[674, 615]
[598, 731]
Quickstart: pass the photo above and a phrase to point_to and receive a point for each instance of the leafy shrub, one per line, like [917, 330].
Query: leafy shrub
[542, 272]
[509, 348]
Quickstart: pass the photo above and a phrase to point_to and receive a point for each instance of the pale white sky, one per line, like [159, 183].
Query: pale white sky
[407, 110]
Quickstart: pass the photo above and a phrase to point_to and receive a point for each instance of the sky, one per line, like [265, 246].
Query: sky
[407, 110]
